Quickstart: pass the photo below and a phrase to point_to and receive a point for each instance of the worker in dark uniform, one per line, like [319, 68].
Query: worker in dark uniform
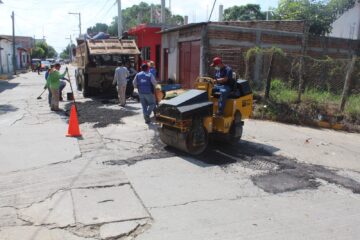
[223, 82]
[145, 82]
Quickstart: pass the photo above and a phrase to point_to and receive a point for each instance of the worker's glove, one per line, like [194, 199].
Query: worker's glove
[66, 79]
[45, 87]
[66, 69]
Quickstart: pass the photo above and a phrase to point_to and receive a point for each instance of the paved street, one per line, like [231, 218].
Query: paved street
[120, 182]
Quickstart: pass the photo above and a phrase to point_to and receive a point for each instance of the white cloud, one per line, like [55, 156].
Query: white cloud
[51, 19]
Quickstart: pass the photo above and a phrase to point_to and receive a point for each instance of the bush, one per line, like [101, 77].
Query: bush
[352, 108]
[321, 97]
[280, 92]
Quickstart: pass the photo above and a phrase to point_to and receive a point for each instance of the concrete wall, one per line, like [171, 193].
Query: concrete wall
[348, 24]
[170, 41]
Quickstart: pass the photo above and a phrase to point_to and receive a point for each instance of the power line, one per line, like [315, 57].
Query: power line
[212, 10]
[107, 12]
[104, 13]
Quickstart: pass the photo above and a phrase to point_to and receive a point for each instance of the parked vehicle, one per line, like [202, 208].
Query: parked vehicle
[45, 65]
[34, 62]
[96, 62]
[51, 60]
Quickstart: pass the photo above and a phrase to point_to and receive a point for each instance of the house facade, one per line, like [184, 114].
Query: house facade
[6, 65]
[348, 24]
[188, 50]
[23, 46]
[148, 40]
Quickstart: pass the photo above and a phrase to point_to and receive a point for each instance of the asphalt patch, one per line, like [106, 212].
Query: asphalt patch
[100, 114]
[279, 182]
[280, 174]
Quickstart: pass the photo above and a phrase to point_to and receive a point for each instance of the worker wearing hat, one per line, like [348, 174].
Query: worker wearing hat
[223, 82]
[145, 82]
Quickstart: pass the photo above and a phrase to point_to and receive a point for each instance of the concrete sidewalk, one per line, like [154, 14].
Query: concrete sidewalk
[52, 186]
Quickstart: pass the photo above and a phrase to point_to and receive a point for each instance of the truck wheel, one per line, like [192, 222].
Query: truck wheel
[236, 129]
[78, 77]
[85, 86]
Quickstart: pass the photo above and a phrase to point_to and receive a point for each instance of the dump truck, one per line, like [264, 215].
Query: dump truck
[96, 61]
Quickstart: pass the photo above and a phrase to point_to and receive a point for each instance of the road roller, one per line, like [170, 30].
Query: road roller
[189, 121]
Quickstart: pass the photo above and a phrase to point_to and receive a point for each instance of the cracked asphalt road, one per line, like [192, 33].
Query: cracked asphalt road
[120, 182]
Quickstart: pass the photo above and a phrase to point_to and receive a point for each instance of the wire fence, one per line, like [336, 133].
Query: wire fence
[306, 77]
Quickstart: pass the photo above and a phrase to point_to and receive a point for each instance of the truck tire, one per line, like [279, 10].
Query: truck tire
[78, 78]
[85, 87]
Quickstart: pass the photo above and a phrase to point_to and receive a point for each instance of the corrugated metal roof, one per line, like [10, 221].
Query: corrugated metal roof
[112, 46]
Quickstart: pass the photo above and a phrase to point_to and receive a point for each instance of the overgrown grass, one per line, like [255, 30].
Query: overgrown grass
[280, 92]
[352, 108]
[321, 97]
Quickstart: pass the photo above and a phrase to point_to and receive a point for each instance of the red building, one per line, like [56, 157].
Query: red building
[148, 40]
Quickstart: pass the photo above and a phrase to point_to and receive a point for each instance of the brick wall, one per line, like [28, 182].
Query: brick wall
[190, 32]
[287, 26]
[231, 40]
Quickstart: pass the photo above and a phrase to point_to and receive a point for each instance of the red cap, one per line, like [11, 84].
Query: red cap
[216, 61]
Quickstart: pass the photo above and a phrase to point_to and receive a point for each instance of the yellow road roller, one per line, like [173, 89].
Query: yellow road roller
[188, 121]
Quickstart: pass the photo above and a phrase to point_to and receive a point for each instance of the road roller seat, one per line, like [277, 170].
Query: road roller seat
[241, 88]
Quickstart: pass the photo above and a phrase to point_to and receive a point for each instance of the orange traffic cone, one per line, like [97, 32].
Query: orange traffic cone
[73, 130]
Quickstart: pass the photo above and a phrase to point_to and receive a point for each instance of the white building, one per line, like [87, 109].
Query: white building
[23, 46]
[348, 24]
[6, 65]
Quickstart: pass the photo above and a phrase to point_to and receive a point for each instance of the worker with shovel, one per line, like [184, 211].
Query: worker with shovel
[61, 86]
[53, 83]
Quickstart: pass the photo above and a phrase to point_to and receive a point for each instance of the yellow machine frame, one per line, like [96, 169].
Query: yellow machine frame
[223, 123]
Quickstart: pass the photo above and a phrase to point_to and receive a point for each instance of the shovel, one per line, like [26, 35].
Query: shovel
[72, 91]
[39, 97]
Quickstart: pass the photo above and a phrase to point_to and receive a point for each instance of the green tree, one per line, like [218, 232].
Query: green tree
[319, 14]
[51, 52]
[141, 13]
[43, 50]
[38, 52]
[65, 53]
[99, 27]
[243, 13]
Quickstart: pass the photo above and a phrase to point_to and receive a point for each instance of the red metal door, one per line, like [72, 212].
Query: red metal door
[189, 63]
[195, 62]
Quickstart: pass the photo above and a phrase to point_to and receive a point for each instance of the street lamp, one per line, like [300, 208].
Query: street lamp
[79, 20]
[70, 49]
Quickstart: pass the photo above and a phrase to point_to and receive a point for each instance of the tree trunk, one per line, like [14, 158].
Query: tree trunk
[268, 78]
[347, 83]
[301, 67]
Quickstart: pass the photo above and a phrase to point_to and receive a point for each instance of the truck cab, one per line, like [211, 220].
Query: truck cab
[97, 60]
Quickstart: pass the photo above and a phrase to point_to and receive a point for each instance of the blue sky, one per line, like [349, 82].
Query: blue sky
[50, 18]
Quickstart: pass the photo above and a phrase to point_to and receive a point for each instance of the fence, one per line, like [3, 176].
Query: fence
[292, 78]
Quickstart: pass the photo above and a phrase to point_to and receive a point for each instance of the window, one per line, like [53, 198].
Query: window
[145, 53]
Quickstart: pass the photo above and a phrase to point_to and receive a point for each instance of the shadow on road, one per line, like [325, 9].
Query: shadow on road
[101, 114]
[6, 108]
[4, 85]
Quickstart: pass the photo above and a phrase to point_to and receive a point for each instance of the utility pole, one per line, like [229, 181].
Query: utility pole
[79, 14]
[13, 38]
[163, 17]
[120, 27]
[70, 48]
